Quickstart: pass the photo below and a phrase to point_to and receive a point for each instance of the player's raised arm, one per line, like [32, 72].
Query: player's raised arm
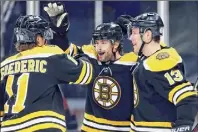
[59, 23]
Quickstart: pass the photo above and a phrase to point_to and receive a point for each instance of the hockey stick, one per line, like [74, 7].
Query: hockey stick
[71, 121]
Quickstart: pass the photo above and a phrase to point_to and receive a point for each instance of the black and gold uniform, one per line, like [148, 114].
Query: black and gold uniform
[33, 101]
[109, 100]
[1, 105]
[163, 96]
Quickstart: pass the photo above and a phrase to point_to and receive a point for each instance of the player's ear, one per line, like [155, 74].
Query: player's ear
[147, 36]
[40, 41]
[115, 46]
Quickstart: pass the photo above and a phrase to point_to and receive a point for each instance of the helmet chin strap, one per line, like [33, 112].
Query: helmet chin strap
[142, 46]
[114, 53]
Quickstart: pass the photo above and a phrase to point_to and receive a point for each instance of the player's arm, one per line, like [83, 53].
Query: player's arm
[74, 50]
[59, 22]
[173, 86]
[66, 69]
[61, 41]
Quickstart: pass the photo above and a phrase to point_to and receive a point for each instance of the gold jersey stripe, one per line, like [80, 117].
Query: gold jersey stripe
[91, 74]
[32, 116]
[82, 74]
[175, 89]
[151, 124]
[89, 129]
[105, 121]
[1, 113]
[43, 126]
[185, 95]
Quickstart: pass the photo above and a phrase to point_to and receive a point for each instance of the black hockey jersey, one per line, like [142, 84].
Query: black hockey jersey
[109, 100]
[33, 100]
[1, 105]
[163, 98]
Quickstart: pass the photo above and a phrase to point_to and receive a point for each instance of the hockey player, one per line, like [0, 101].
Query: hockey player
[164, 100]
[109, 100]
[33, 101]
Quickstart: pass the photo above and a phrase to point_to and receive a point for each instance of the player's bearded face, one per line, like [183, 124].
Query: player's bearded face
[135, 39]
[104, 50]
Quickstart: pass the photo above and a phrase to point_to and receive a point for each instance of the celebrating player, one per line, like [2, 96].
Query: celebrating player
[109, 100]
[33, 101]
[164, 99]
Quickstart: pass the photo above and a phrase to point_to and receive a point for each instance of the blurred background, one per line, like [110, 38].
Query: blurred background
[180, 32]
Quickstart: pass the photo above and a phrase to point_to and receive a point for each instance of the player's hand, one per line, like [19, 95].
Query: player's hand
[123, 22]
[58, 17]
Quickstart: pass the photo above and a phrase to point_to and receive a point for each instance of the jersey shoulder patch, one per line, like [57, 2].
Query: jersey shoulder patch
[127, 59]
[163, 60]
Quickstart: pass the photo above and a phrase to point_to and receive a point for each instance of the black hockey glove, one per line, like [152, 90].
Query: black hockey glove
[58, 17]
[123, 22]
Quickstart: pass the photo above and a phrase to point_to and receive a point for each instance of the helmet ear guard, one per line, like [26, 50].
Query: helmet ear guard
[48, 34]
[25, 36]
[28, 27]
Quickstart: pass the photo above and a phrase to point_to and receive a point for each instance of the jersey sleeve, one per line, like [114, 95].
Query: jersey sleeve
[86, 50]
[172, 85]
[60, 40]
[66, 69]
[73, 50]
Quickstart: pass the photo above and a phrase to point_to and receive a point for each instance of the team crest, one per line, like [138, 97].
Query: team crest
[162, 55]
[106, 92]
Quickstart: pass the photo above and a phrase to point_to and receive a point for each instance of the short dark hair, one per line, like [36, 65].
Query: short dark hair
[120, 48]
[156, 39]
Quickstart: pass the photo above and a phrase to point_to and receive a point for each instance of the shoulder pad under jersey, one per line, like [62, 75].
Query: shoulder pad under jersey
[162, 60]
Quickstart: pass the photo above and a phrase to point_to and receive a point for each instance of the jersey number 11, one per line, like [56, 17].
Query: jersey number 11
[22, 85]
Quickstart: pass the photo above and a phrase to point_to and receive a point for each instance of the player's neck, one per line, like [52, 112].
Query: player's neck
[151, 48]
[116, 57]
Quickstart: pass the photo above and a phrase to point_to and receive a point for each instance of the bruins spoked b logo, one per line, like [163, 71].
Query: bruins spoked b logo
[106, 92]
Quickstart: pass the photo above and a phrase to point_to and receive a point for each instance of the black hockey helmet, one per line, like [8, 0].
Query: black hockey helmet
[27, 27]
[148, 21]
[108, 31]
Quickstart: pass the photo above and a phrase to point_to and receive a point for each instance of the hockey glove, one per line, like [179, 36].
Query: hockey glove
[123, 22]
[58, 17]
